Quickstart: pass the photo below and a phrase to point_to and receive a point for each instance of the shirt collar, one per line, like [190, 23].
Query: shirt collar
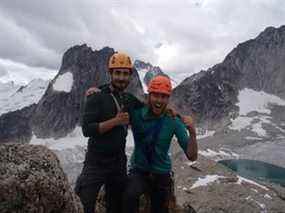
[147, 114]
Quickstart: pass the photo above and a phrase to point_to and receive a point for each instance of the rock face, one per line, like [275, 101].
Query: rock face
[17, 104]
[15, 126]
[31, 180]
[148, 70]
[257, 64]
[58, 112]
[262, 61]
[209, 96]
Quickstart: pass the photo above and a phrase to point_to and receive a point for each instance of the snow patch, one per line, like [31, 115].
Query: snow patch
[277, 127]
[248, 197]
[267, 196]
[251, 100]
[220, 155]
[242, 179]
[207, 133]
[14, 97]
[64, 82]
[184, 189]
[253, 124]
[71, 141]
[7, 89]
[256, 191]
[240, 123]
[252, 138]
[190, 163]
[206, 180]
[261, 205]
[142, 73]
[212, 153]
[257, 128]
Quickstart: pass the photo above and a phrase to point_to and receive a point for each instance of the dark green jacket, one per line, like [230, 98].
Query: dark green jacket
[100, 107]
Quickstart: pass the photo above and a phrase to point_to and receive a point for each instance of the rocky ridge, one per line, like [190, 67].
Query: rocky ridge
[256, 64]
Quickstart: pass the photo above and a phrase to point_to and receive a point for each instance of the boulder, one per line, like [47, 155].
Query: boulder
[31, 180]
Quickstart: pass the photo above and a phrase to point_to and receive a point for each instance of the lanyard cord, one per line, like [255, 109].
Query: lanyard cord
[116, 103]
[119, 109]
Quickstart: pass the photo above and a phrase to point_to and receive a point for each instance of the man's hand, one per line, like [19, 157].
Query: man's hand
[188, 121]
[92, 90]
[171, 112]
[122, 118]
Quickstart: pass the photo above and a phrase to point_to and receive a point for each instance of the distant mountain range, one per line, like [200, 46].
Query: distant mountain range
[211, 95]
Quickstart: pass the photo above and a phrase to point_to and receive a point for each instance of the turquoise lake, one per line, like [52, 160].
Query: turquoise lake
[256, 170]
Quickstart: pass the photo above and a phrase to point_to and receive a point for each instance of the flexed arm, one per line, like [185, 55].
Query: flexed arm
[192, 146]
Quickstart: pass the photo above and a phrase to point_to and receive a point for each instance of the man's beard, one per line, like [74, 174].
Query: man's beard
[120, 85]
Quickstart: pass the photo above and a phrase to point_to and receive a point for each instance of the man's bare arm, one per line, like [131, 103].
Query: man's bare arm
[192, 147]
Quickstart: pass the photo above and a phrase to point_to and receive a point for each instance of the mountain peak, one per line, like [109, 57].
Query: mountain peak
[147, 71]
[81, 69]
[256, 64]
[271, 30]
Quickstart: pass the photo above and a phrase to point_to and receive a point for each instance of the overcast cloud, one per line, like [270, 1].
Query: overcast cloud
[182, 36]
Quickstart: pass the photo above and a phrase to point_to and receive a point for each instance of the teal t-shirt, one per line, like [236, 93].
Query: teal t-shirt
[142, 120]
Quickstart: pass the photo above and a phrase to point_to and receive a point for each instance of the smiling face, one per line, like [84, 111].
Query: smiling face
[158, 102]
[120, 78]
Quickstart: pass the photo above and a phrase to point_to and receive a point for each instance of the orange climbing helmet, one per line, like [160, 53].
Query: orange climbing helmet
[160, 84]
[120, 60]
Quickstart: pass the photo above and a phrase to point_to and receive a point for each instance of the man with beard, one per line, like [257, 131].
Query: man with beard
[105, 120]
[153, 130]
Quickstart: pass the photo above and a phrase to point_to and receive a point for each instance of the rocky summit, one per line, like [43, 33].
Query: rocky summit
[31, 180]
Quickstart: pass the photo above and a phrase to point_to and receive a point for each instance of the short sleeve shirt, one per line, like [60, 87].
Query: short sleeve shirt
[142, 120]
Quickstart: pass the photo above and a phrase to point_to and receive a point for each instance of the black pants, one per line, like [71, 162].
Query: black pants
[108, 171]
[157, 185]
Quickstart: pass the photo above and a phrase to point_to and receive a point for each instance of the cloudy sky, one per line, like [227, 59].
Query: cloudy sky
[181, 36]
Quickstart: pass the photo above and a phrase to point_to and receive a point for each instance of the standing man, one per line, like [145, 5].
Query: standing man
[105, 120]
[153, 131]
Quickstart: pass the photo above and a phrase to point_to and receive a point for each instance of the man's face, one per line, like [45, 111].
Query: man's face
[120, 78]
[158, 102]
